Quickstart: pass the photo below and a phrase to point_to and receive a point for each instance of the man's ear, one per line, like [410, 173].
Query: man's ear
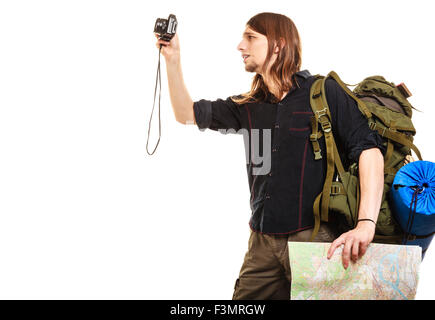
[279, 45]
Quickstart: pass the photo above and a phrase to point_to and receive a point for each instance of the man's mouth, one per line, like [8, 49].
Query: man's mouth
[245, 56]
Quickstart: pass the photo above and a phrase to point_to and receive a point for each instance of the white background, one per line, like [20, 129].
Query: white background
[85, 213]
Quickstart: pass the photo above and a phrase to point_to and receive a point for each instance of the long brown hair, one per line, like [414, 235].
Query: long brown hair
[275, 26]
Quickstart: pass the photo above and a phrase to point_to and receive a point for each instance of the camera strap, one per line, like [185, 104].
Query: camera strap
[158, 80]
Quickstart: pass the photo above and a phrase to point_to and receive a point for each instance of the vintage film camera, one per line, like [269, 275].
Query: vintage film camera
[166, 28]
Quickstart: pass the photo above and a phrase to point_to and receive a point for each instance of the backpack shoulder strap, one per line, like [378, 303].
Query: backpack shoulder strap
[361, 104]
[322, 115]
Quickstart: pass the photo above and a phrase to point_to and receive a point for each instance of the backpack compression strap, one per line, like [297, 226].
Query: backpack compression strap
[397, 137]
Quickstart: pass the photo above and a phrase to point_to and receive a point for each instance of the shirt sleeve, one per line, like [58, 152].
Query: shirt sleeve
[349, 125]
[219, 114]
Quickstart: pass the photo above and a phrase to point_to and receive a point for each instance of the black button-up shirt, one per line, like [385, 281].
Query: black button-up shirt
[284, 185]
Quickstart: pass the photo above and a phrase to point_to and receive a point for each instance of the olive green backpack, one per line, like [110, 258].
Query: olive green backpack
[388, 111]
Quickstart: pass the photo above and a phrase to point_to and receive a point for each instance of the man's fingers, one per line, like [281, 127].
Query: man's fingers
[355, 251]
[160, 41]
[337, 242]
[163, 43]
[346, 253]
[362, 249]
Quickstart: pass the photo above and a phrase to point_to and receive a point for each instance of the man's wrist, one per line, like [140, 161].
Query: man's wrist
[366, 219]
[366, 223]
[173, 61]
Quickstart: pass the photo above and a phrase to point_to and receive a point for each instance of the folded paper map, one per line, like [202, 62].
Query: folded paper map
[385, 272]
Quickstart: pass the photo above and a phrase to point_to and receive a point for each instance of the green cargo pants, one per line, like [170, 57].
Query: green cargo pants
[265, 273]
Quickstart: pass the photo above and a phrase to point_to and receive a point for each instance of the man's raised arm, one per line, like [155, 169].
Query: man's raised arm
[182, 103]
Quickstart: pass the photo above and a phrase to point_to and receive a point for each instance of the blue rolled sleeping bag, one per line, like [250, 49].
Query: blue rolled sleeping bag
[414, 187]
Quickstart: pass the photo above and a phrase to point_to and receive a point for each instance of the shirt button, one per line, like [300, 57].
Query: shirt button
[270, 174]
[267, 196]
[276, 125]
[274, 149]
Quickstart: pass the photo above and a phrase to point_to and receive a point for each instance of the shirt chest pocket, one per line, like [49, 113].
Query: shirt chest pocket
[300, 124]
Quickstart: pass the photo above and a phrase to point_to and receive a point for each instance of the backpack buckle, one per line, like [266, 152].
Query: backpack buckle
[313, 137]
[321, 113]
[316, 148]
[335, 190]
[326, 126]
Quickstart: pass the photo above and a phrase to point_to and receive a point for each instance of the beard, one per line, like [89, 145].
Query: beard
[251, 66]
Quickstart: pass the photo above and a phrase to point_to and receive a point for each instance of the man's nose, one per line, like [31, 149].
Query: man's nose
[241, 46]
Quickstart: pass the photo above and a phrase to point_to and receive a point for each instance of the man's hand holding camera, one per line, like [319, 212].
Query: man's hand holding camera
[170, 49]
[167, 39]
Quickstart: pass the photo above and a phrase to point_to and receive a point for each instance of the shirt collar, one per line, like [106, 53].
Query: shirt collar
[304, 74]
[300, 75]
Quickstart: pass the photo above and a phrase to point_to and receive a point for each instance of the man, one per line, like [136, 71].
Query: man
[282, 196]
